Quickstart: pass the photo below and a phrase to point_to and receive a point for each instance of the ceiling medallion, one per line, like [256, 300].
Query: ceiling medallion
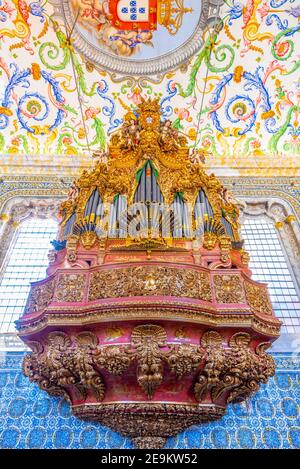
[138, 37]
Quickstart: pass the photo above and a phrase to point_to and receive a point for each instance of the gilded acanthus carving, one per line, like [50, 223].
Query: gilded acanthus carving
[229, 289]
[40, 296]
[184, 359]
[38, 368]
[207, 318]
[236, 370]
[114, 358]
[83, 364]
[70, 287]
[258, 298]
[246, 369]
[214, 363]
[145, 281]
[59, 364]
[266, 362]
[148, 341]
[225, 370]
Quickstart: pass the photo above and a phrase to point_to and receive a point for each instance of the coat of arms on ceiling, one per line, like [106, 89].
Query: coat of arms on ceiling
[139, 37]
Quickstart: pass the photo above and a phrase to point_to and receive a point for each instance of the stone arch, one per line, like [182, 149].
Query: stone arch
[285, 220]
[19, 209]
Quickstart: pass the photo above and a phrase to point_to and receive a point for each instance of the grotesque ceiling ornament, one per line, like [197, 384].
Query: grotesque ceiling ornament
[138, 37]
[149, 245]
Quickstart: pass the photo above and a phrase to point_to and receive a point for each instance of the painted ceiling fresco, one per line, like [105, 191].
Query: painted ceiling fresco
[120, 26]
[238, 97]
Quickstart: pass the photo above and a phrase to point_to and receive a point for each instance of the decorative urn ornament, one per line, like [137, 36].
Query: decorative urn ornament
[148, 321]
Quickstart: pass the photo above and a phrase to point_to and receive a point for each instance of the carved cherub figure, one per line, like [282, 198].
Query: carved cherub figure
[168, 136]
[65, 210]
[214, 184]
[230, 205]
[165, 129]
[84, 179]
[197, 156]
[100, 156]
[228, 197]
[73, 192]
[130, 131]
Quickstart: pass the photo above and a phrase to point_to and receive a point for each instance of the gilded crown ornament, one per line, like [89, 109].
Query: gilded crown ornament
[149, 249]
[170, 14]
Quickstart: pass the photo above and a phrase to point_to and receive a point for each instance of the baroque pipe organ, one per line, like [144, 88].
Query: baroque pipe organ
[148, 320]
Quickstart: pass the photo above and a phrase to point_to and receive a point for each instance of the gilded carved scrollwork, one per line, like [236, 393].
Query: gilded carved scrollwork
[226, 370]
[184, 359]
[59, 364]
[39, 369]
[114, 358]
[240, 371]
[43, 366]
[149, 424]
[229, 289]
[236, 371]
[148, 341]
[85, 366]
[135, 281]
[258, 298]
[66, 288]
[40, 297]
[266, 362]
[70, 287]
[214, 363]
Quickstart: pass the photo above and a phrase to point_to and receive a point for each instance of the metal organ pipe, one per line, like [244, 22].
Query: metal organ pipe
[148, 192]
[69, 224]
[227, 227]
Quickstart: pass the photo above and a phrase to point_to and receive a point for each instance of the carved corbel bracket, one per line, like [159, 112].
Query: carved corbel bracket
[218, 371]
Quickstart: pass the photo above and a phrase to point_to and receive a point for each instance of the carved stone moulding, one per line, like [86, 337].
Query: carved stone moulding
[149, 380]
